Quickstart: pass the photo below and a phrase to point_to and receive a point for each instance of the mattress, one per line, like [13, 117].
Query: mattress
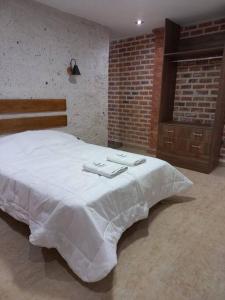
[81, 214]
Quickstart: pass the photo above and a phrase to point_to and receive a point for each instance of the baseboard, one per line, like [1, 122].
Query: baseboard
[115, 144]
[135, 146]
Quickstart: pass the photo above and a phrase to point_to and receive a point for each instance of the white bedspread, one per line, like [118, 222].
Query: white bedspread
[80, 214]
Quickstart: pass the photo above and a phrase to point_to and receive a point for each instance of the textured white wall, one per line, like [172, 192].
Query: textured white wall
[36, 45]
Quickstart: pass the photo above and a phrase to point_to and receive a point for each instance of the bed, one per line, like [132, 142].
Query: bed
[81, 214]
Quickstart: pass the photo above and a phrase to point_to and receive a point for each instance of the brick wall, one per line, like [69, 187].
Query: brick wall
[196, 93]
[130, 90]
[203, 28]
[135, 68]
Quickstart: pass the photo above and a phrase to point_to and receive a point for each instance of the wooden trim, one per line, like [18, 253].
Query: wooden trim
[214, 40]
[172, 35]
[199, 53]
[15, 106]
[220, 113]
[186, 162]
[24, 106]
[32, 123]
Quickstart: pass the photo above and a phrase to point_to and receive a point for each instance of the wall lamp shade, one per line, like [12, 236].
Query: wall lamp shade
[74, 68]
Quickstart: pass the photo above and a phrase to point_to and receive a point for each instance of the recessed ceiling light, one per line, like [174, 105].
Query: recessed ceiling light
[139, 22]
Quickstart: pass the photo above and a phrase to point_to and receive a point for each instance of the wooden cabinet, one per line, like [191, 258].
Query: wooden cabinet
[187, 142]
[184, 152]
[188, 145]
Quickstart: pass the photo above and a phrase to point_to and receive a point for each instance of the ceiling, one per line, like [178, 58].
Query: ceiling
[120, 15]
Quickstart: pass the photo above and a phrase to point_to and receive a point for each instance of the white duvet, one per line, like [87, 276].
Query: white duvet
[81, 214]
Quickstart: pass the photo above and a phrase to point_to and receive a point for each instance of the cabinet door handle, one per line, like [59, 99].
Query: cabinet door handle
[168, 142]
[196, 147]
[197, 134]
[170, 131]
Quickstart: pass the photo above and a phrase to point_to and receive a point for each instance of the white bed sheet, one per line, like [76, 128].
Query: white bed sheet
[82, 215]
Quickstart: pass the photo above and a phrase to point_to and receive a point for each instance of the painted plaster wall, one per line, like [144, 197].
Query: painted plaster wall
[36, 45]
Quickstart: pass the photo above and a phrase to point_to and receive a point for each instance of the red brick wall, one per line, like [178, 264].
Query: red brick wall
[130, 90]
[135, 68]
[203, 28]
[196, 93]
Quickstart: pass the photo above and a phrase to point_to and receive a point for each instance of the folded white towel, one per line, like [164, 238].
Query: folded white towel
[105, 169]
[127, 159]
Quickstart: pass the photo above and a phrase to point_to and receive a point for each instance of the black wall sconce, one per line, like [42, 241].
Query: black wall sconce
[73, 70]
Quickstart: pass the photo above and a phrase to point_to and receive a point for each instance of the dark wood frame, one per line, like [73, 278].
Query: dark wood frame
[31, 122]
[179, 49]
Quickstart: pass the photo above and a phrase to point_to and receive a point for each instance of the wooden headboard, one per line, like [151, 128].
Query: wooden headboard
[31, 106]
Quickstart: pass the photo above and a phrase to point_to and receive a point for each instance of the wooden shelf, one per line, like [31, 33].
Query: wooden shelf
[191, 54]
[188, 124]
[185, 144]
